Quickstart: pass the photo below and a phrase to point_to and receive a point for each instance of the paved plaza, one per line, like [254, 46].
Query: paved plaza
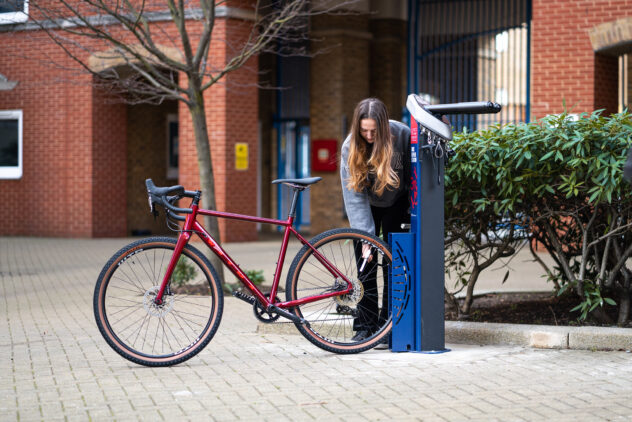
[56, 366]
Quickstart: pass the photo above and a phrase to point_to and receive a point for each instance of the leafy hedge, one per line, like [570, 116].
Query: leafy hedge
[560, 179]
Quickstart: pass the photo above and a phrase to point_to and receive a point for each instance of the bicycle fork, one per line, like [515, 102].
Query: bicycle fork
[183, 239]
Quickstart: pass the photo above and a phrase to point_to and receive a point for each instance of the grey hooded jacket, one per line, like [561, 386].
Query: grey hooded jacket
[358, 204]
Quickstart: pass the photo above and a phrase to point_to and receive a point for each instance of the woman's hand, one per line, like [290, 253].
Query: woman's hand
[366, 252]
[366, 255]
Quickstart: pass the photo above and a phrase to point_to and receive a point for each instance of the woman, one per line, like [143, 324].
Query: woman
[375, 176]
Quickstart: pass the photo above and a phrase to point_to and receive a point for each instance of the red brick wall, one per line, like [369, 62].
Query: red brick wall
[75, 136]
[232, 115]
[57, 172]
[564, 65]
[242, 116]
[109, 167]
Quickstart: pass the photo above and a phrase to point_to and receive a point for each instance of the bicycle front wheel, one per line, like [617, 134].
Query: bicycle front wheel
[349, 323]
[141, 330]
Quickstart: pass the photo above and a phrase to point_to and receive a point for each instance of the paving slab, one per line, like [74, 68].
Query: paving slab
[56, 365]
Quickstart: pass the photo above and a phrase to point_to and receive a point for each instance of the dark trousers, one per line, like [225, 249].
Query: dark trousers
[387, 220]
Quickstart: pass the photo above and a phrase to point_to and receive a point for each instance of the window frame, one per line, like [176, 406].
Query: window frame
[14, 172]
[8, 18]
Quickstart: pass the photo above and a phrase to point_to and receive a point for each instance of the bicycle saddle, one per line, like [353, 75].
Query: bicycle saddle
[416, 107]
[302, 182]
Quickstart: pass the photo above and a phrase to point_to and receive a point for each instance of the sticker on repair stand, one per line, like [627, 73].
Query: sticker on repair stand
[414, 131]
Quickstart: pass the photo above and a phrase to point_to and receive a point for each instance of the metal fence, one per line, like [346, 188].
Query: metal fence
[471, 50]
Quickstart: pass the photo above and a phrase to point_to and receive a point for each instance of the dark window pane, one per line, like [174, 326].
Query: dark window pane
[8, 143]
[7, 6]
[173, 144]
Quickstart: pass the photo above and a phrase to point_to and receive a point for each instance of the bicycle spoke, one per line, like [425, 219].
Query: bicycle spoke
[177, 298]
[173, 329]
[129, 281]
[183, 331]
[335, 321]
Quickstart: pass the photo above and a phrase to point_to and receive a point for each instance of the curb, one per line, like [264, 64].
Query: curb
[539, 336]
[535, 336]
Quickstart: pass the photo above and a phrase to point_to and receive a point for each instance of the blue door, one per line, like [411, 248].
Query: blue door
[293, 152]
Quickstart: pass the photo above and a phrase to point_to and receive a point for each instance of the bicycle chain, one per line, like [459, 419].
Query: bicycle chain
[311, 321]
[316, 320]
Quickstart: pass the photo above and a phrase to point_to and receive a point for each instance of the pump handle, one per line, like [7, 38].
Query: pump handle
[473, 107]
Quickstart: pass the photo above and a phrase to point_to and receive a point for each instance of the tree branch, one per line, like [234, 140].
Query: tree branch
[560, 255]
[546, 268]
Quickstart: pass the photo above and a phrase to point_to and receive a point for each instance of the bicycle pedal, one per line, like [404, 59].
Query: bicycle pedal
[245, 297]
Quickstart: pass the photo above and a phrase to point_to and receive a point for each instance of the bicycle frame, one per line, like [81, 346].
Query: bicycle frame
[191, 225]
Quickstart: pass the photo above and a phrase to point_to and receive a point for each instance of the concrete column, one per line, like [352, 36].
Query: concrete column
[339, 78]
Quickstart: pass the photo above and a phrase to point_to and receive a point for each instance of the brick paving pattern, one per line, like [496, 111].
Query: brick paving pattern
[56, 366]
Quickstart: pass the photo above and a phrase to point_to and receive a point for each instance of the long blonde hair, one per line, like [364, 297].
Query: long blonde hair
[376, 161]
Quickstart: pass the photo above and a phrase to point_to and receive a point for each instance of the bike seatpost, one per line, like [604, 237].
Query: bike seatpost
[297, 191]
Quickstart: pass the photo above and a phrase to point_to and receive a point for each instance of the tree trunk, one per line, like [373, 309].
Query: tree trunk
[624, 307]
[452, 302]
[469, 296]
[205, 166]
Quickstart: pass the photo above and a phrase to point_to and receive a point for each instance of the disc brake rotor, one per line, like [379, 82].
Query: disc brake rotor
[353, 298]
[152, 307]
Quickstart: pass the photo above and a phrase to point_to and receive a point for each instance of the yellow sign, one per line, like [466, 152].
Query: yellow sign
[241, 156]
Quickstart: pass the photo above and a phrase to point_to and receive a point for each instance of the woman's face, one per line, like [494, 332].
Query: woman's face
[368, 130]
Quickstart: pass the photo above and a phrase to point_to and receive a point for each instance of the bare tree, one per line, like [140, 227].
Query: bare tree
[157, 50]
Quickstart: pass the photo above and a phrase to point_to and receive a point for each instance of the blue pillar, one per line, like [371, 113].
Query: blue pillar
[417, 277]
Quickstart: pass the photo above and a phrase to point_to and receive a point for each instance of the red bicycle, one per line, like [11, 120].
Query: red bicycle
[158, 301]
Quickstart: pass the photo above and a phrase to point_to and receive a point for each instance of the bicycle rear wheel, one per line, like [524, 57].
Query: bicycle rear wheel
[350, 323]
[139, 329]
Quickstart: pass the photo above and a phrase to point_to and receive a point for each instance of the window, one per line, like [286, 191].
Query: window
[13, 11]
[11, 144]
[172, 146]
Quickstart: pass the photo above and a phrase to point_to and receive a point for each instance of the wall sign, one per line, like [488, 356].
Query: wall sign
[241, 156]
[324, 156]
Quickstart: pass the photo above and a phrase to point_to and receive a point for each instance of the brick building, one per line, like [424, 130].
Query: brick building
[77, 161]
[82, 158]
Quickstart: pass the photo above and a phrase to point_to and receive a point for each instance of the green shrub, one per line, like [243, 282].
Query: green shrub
[256, 276]
[562, 178]
[480, 223]
[182, 273]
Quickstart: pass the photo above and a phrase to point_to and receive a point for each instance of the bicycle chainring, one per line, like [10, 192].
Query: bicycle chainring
[262, 314]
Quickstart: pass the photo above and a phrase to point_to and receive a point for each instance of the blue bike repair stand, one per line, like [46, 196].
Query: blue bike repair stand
[416, 282]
